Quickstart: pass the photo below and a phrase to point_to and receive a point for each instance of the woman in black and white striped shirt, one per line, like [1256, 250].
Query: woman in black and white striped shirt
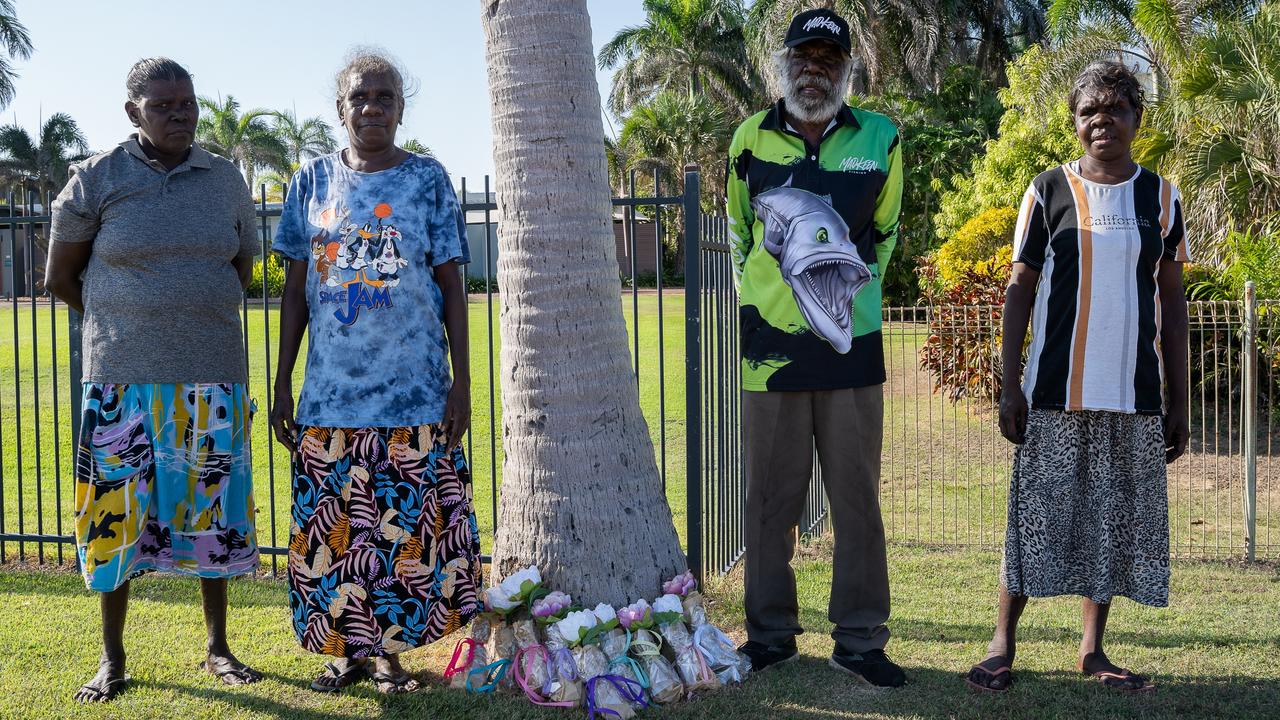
[1102, 408]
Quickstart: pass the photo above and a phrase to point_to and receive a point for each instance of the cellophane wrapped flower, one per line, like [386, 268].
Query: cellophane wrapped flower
[564, 682]
[729, 665]
[470, 654]
[602, 694]
[616, 645]
[694, 671]
[646, 647]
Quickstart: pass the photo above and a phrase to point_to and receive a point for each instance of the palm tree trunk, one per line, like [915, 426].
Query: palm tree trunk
[581, 495]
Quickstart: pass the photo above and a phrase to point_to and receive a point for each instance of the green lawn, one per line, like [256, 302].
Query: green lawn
[1212, 652]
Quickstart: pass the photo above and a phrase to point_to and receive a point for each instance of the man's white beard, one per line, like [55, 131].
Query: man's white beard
[809, 110]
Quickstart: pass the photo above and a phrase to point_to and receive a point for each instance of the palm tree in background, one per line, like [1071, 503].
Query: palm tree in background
[694, 46]
[923, 38]
[1215, 135]
[42, 163]
[674, 130]
[1158, 31]
[416, 147]
[245, 138]
[303, 139]
[17, 44]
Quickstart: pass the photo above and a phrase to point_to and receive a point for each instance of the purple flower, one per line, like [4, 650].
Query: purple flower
[637, 612]
[552, 605]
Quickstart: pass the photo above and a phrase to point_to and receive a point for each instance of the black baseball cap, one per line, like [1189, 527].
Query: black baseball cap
[821, 24]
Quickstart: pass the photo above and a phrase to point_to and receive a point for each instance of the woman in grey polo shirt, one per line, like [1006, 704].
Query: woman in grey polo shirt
[154, 242]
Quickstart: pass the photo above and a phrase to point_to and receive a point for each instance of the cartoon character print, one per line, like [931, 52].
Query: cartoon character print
[355, 246]
[389, 261]
[325, 253]
[816, 258]
[363, 264]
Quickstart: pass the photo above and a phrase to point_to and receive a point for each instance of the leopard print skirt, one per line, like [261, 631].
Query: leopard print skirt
[1089, 509]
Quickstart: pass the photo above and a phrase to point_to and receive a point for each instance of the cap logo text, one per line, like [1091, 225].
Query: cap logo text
[823, 22]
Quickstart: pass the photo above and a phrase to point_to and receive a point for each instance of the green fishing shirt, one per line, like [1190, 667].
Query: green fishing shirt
[811, 230]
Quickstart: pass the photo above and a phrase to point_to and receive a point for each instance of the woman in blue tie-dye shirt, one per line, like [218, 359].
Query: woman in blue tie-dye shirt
[384, 551]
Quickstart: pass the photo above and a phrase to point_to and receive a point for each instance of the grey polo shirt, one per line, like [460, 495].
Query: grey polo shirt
[161, 297]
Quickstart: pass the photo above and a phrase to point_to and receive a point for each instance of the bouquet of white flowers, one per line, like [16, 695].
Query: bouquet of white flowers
[729, 665]
[646, 646]
[668, 611]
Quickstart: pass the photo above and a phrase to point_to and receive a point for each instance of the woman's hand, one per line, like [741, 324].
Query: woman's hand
[1013, 414]
[457, 412]
[1176, 435]
[282, 419]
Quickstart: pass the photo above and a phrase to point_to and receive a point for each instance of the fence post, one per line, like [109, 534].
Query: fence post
[75, 368]
[1249, 421]
[693, 371]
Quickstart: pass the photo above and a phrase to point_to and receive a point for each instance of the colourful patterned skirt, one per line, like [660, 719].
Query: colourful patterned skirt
[164, 481]
[384, 550]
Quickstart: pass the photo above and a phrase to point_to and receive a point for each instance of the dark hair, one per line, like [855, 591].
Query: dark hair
[373, 61]
[1106, 77]
[148, 69]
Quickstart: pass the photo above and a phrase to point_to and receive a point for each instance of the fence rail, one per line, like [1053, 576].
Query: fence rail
[945, 466]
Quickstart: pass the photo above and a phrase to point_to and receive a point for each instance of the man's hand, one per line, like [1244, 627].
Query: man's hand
[457, 412]
[1013, 414]
[1176, 435]
[282, 418]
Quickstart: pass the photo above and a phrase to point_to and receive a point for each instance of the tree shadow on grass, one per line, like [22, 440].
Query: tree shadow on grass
[809, 690]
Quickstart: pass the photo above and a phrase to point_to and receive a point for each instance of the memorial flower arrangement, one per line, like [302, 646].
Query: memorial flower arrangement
[614, 662]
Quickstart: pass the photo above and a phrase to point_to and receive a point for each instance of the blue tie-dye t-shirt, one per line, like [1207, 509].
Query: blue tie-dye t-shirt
[377, 354]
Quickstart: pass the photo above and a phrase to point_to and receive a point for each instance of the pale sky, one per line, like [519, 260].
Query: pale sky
[274, 54]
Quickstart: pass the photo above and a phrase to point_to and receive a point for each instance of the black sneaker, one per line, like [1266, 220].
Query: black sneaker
[762, 656]
[873, 667]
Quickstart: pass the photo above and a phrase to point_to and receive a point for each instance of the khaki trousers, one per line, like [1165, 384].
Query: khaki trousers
[781, 430]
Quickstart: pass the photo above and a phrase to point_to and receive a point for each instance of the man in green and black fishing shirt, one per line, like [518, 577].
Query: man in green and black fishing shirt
[814, 191]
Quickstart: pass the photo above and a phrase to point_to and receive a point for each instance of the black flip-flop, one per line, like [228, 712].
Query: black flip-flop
[106, 693]
[394, 684]
[343, 678]
[1005, 669]
[1125, 681]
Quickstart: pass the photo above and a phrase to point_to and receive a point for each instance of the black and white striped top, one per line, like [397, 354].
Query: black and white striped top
[1095, 326]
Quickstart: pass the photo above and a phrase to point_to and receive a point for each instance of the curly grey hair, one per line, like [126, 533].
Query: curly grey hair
[1106, 78]
[371, 60]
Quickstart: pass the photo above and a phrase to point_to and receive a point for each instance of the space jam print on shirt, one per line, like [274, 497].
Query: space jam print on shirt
[377, 354]
[362, 262]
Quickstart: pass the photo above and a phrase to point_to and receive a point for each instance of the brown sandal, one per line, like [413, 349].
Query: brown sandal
[983, 678]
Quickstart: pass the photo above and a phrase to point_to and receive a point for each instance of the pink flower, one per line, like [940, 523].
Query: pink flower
[637, 612]
[681, 585]
[551, 605]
